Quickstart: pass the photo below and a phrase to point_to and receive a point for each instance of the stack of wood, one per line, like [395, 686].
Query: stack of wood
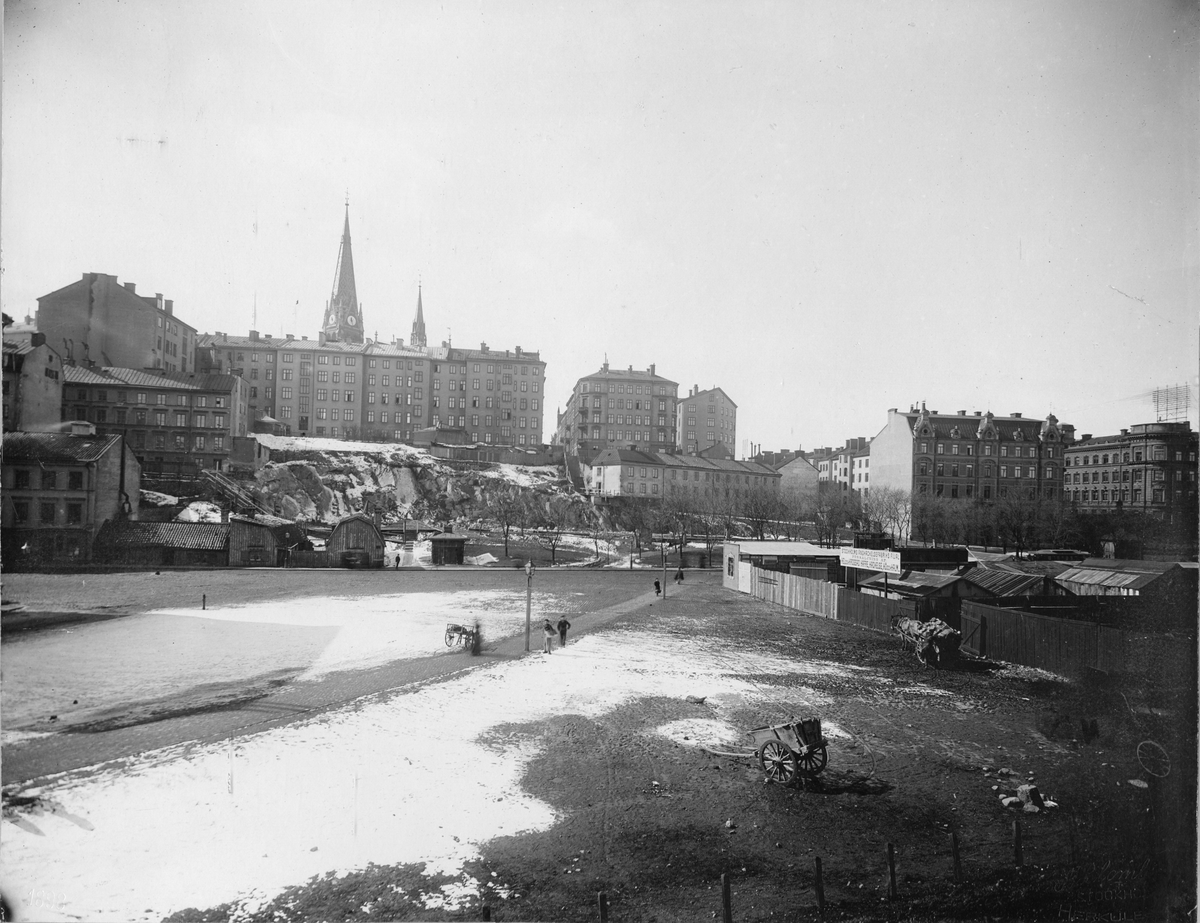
[936, 643]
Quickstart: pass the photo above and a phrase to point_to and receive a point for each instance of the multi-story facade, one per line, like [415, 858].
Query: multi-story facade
[98, 321]
[845, 468]
[59, 489]
[616, 472]
[619, 407]
[970, 456]
[170, 421]
[386, 392]
[704, 419]
[1150, 468]
[33, 380]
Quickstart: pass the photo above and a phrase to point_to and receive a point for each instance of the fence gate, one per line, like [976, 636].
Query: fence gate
[973, 628]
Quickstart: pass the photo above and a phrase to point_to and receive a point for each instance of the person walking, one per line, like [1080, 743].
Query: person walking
[657, 588]
[563, 625]
[679, 575]
[548, 633]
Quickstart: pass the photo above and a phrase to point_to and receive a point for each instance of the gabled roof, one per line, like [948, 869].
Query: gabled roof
[913, 581]
[346, 520]
[174, 381]
[1115, 579]
[1006, 583]
[199, 536]
[54, 448]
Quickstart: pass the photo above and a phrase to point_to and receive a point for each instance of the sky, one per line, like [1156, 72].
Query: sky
[825, 209]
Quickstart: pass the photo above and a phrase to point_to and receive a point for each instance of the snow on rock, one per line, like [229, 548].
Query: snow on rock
[199, 511]
[154, 498]
[241, 820]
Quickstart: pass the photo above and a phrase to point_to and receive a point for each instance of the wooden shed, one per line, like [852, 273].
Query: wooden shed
[175, 544]
[262, 541]
[356, 541]
[448, 548]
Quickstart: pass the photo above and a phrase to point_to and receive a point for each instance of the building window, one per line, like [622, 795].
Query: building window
[74, 514]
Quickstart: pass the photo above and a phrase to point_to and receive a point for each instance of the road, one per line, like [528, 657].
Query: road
[250, 707]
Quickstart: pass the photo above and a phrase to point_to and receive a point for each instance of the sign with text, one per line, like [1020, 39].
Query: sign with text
[887, 562]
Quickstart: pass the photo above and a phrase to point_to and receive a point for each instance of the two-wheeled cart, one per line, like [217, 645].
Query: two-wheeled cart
[787, 752]
[461, 635]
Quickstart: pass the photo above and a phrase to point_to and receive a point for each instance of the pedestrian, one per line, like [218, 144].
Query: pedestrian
[657, 588]
[548, 633]
[563, 625]
[679, 575]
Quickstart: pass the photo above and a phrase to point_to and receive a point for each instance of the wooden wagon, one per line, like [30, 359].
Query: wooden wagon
[790, 751]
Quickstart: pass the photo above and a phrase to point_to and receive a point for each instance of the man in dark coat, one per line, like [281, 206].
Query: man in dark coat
[563, 625]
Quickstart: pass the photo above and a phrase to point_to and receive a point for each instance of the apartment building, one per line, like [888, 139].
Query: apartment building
[33, 381]
[970, 455]
[171, 421]
[619, 407]
[617, 472]
[1150, 467]
[704, 419]
[97, 321]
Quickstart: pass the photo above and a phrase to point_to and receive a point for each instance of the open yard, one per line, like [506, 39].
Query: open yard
[528, 784]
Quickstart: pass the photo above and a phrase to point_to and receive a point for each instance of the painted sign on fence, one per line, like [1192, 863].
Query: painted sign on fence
[887, 562]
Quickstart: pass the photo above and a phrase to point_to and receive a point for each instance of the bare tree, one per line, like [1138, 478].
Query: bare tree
[508, 507]
[555, 519]
[760, 507]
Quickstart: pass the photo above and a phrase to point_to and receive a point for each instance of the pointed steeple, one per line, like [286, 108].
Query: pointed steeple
[418, 327]
[343, 320]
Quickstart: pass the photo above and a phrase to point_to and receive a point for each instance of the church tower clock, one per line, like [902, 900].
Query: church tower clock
[343, 316]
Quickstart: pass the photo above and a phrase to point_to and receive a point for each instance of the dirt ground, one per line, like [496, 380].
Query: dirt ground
[654, 824]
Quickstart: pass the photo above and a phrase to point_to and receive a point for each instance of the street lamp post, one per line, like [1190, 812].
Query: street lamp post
[662, 551]
[528, 600]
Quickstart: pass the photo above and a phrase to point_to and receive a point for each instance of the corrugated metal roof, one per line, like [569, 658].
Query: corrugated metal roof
[1091, 576]
[1006, 583]
[199, 536]
[54, 448]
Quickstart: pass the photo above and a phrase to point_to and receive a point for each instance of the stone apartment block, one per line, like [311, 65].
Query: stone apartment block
[619, 407]
[1150, 467]
[385, 392]
[970, 455]
[33, 382]
[98, 321]
[59, 489]
[172, 422]
[704, 419]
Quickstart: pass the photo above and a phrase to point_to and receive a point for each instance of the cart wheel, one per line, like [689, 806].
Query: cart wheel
[1154, 759]
[814, 760]
[449, 638]
[778, 761]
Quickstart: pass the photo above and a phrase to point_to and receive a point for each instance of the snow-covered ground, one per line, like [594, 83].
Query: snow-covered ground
[240, 821]
[87, 672]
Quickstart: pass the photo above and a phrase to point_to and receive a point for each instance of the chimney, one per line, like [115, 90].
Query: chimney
[1124, 432]
[1016, 416]
[962, 413]
[225, 517]
[254, 334]
[518, 352]
[291, 336]
[170, 307]
[1085, 437]
[979, 413]
[131, 287]
[483, 347]
[303, 337]
[651, 368]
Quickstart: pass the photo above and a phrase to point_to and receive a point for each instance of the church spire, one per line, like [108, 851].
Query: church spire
[343, 320]
[418, 327]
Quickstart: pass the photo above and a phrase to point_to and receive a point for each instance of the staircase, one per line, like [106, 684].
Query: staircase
[239, 499]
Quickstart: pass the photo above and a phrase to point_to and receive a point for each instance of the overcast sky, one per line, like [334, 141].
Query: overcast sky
[825, 208]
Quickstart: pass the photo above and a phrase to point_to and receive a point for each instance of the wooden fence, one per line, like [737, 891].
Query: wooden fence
[1070, 647]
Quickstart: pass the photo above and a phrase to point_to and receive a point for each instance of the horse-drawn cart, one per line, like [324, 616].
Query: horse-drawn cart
[790, 751]
[935, 642]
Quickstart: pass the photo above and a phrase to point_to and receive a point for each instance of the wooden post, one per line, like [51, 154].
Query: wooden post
[958, 876]
[818, 884]
[204, 601]
[1017, 857]
[726, 905]
[602, 904]
[892, 895]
